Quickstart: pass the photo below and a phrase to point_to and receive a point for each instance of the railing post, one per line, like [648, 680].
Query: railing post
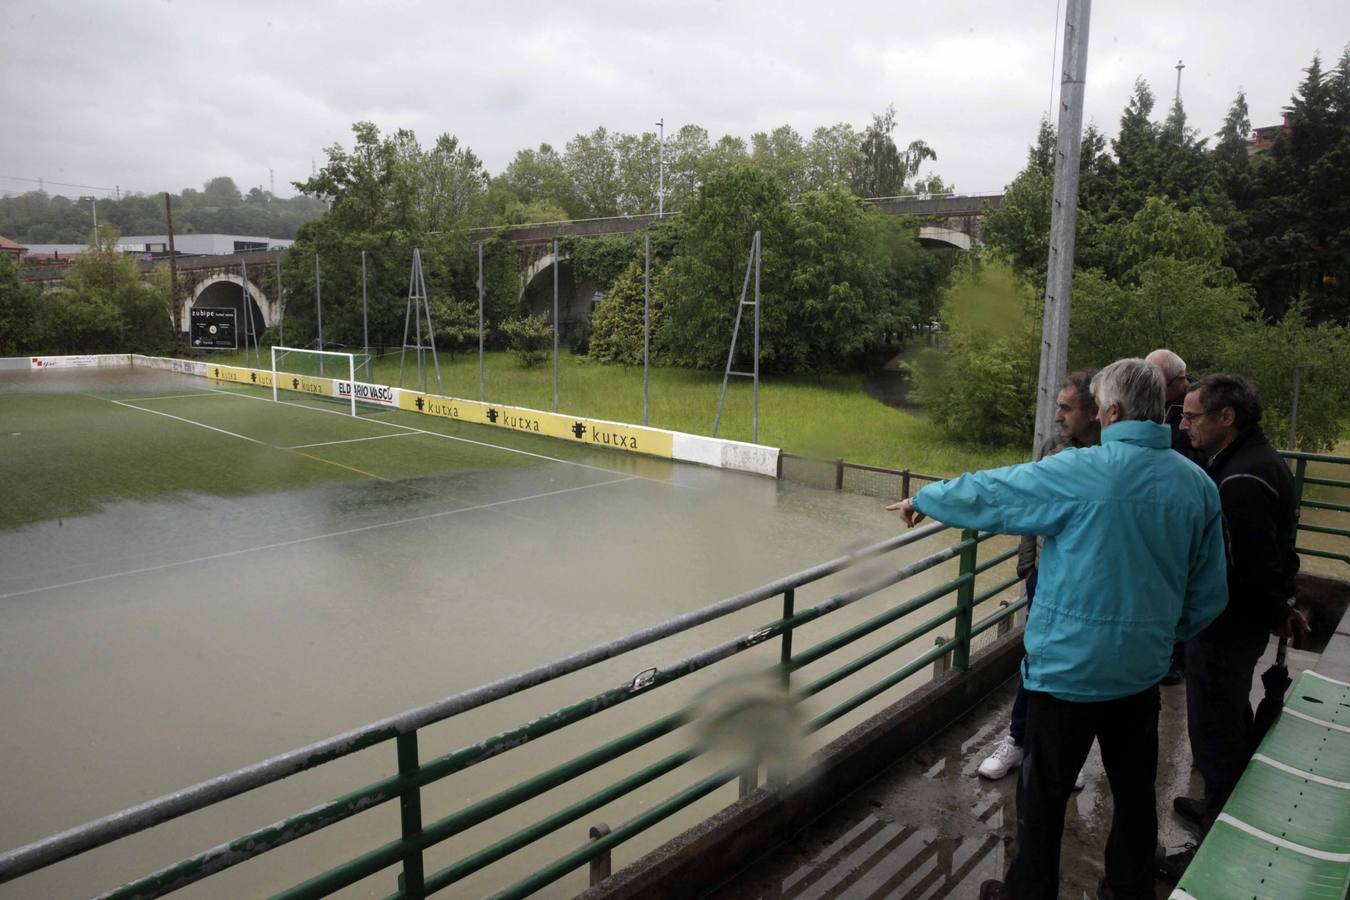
[1300, 471]
[602, 864]
[410, 809]
[1005, 624]
[785, 657]
[965, 602]
[943, 664]
[839, 473]
[904, 485]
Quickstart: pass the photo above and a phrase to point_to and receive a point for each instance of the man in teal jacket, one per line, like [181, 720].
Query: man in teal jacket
[1133, 562]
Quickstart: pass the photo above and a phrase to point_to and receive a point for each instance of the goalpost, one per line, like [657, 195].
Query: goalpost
[305, 364]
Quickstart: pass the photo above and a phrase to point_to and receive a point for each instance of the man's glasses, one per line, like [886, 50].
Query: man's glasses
[1191, 417]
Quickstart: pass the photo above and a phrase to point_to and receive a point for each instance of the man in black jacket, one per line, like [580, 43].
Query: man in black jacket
[1221, 415]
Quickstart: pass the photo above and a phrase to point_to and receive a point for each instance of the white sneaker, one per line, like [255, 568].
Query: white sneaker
[1006, 757]
[1079, 783]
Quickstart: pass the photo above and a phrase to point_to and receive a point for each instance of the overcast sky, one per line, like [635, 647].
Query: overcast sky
[162, 95]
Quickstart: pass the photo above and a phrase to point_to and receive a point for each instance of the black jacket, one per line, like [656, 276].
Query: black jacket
[1260, 511]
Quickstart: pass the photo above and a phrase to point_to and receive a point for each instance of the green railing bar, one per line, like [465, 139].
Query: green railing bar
[488, 855]
[635, 826]
[828, 646]
[994, 561]
[1325, 504]
[876, 654]
[381, 857]
[877, 689]
[994, 618]
[994, 591]
[1324, 554]
[1326, 482]
[1315, 457]
[1324, 529]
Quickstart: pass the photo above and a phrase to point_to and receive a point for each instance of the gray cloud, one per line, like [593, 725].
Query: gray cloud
[165, 95]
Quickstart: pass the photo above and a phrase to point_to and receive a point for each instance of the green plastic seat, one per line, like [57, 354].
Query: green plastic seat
[1295, 794]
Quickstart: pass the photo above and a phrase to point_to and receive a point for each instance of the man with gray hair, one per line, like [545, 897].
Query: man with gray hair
[1133, 561]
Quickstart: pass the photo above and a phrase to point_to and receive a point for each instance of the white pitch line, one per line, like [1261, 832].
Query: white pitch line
[314, 537]
[155, 412]
[348, 441]
[204, 392]
[463, 440]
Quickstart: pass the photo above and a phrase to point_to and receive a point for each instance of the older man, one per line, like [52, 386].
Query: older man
[1221, 416]
[1133, 560]
[1076, 416]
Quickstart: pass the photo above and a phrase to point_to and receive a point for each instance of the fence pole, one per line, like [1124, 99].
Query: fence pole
[555, 324]
[602, 864]
[965, 602]
[839, 473]
[904, 485]
[410, 809]
[481, 393]
[646, 325]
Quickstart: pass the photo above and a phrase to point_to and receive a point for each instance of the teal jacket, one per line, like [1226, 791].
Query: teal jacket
[1133, 558]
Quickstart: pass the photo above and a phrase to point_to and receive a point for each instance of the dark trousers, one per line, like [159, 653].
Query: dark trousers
[1017, 722]
[1059, 735]
[1219, 709]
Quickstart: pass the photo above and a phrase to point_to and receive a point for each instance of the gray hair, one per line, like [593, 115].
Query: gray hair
[1135, 385]
[1171, 365]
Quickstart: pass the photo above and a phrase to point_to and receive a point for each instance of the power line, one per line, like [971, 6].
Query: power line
[45, 181]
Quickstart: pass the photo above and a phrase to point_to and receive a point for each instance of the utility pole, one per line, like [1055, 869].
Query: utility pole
[661, 168]
[173, 282]
[1179, 66]
[1063, 219]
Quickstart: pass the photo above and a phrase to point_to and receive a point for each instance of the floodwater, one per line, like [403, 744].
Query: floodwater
[156, 643]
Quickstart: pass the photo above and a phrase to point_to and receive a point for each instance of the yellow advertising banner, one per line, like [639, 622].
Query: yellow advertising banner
[306, 384]
[239, 375]
[575, 429]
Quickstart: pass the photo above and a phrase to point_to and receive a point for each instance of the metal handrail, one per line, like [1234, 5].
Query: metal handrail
[98, 832]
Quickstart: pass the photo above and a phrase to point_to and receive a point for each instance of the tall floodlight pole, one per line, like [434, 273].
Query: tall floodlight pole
[555, 324]
[646, 325]
[481, 393]
[281, 307]
[1179, 66]
[318, 308]
[661, 168]
[173, 282]
[1063, 218]
[365, 309]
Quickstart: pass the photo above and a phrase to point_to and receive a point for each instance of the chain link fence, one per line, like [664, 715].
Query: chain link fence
[856, 478]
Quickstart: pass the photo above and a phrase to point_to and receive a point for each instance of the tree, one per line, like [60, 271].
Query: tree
[882, 170]
[592, 170]
[221, 192]
[1267, 355]
[707, 273]
[530, 338]
[984, 392]
[18, 312]
[782, 153]
[616, 325]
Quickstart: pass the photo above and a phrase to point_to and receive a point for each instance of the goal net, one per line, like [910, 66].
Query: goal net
[316, 373]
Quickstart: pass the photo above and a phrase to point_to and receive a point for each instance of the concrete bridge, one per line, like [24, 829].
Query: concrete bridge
[218, 281]
[202, 281]
[959, 214]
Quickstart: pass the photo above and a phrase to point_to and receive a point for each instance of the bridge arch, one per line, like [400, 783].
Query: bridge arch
[932, 234]
[225, 289]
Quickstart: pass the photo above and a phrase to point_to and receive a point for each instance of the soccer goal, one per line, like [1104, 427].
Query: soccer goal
[316, 372]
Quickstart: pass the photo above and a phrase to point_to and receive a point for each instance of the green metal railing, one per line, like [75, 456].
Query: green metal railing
[413, 774]
[1302, 479]
[970, 588]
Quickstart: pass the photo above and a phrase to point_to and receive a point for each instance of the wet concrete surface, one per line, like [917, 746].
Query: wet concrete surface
[931, 827]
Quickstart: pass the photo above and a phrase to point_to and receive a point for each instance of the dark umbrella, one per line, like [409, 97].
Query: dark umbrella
[1277, 681]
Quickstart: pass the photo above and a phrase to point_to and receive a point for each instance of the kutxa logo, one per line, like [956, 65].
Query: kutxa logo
[252, 376]
[295, 384]
[492, 416]
[419, 403]
[579, 430]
